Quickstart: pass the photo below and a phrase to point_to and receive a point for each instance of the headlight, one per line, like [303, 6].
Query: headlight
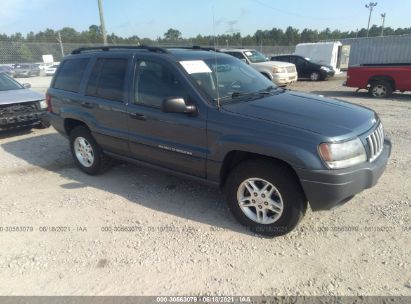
[343, 154]
[279, 70]
[43, 104]
[325, 68]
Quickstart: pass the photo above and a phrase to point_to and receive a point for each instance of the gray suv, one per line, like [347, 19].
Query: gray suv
[213, 118]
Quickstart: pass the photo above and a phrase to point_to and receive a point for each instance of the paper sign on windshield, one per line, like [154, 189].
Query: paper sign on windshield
[195, 66]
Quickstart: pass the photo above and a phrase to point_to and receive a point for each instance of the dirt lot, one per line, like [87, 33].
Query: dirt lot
[135, 231]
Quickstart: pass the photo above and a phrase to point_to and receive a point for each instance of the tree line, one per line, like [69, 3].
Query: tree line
[275, 36]
[29, 48]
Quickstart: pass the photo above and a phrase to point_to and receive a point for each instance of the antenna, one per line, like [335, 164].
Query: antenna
[215, 62]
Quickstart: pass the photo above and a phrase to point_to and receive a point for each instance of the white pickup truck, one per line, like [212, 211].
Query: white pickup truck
[281, 73]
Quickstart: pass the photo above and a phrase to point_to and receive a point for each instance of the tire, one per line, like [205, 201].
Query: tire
[82, 143]
[380, 89]
[315, 76]
[287, 197]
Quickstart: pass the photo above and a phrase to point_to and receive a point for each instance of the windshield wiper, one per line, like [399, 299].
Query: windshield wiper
[268, 90]
[235, 95]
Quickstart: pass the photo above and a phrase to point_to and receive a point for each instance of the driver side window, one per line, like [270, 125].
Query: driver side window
[299, 61]
[154, 83]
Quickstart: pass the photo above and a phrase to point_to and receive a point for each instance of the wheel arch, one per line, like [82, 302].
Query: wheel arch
[235, 157]
[386, 78]
[71, 123]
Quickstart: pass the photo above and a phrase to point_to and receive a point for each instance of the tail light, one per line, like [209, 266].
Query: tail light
[48, 101]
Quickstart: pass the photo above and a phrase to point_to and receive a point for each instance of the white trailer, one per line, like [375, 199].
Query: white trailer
[327, 53]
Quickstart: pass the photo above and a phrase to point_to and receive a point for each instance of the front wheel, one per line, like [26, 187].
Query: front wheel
[315, 76]
[266, 197]
[87, 154]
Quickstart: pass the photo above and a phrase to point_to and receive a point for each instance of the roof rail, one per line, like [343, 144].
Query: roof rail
[119, 47]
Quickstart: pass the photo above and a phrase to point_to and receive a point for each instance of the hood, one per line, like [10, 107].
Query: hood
[329, 117]
[19, 96]
[270, 64]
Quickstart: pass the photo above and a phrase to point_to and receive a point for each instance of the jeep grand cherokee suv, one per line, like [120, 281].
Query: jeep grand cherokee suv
[209, 116]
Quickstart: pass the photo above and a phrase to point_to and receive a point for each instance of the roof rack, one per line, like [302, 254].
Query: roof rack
[119, 47]
[196, 47]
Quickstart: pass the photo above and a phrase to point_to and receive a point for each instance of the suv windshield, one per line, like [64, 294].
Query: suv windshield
[7, 83]
[23, 66]
[228, 78]
[255, 56]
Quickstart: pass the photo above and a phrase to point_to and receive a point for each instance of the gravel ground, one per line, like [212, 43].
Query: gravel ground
[135, 231]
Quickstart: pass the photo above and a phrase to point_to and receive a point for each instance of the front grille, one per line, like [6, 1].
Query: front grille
[20, 114]
[376, 143]
[291, 69]
[17, 109]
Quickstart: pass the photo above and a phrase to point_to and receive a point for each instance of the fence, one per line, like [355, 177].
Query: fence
[12, 52]
[389, 49]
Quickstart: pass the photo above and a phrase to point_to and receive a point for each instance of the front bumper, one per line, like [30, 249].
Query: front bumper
[22, 74]
[327, 74]
[283, 79]
[326, 189]
[21, 120]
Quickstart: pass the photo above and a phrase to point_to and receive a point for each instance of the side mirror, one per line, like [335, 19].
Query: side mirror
[244, 60]
[26, 85]
[177, 105]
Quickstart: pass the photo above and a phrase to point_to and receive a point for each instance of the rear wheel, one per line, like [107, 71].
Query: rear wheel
[380, 89]
[266, 197]
[87, 154]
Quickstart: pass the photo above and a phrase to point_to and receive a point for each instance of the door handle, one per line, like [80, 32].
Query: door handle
[138, 116]
[87, 105]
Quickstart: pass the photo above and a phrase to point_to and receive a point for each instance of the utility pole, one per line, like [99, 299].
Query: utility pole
[61, 44]
[102, 24]
[383, 23]
[370, 6]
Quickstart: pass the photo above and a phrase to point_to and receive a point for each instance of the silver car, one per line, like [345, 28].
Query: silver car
[19, 106]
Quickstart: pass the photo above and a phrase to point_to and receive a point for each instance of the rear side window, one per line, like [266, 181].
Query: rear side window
[70, 74]
[107, 79]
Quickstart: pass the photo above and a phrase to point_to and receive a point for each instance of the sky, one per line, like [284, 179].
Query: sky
[153, 18]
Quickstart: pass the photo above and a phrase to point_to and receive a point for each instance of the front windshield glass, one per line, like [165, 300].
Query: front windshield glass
[228, 79]
[7, 83]
[255, 56]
